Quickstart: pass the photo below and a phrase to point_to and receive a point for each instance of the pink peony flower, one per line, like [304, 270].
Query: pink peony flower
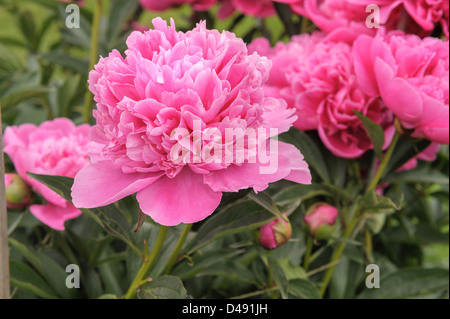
[56, 147]
[275, 234]
[425, 13]
[161, 5]
[342, 19]
[162, 114]
[406, 70]
[316, 78]
[320, 220]
[429, 154]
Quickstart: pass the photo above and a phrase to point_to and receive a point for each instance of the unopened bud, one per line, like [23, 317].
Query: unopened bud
[18, 193]
[320, 220]
[275, 233]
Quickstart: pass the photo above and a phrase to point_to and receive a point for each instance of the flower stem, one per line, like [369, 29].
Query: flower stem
[149, 261]
[384, 162]
[338, 253]
[174, 256]
[93, 57]
[307, 259]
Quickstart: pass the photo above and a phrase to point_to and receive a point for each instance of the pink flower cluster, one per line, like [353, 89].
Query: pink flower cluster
[55, 147]
[259, 8]
[413, 14]
[199, 84]
[411, 75]
[331, 16]
[317, 78]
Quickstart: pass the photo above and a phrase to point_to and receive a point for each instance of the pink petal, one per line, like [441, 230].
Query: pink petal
[183, 199]
[54, 216]
[103, 183]
[258, 175]
[400, 96]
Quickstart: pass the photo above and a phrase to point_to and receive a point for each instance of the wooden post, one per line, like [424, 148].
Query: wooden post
[4, 253]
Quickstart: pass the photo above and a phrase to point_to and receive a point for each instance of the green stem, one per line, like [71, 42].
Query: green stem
[384, 162]
[93, 57]
[149, 261]
[338, 253]
[369, 245]
[174, 256]
[309, 247]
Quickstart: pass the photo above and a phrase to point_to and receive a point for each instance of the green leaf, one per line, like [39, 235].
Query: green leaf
[241, 217]
[67, 61]
[200, 262]
[264, 200]
[300, 192]
[164, 287]
[375, 132]
[291, 271]
[27, 279]
[374, 202]
[120, 12]
[27, 253]
[14, 98]
[304, 289]
[409, 283]
[278, 275]
[403, 152]
[111, 218]
[418, 175]
[311, 152]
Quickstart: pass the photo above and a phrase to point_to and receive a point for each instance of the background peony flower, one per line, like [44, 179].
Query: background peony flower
[406, 70]
[320, 220]
[194, 83]
[161, 5]
[429, 154]
[337, 18]
[425, 13]
[316, 77]
[56, 147]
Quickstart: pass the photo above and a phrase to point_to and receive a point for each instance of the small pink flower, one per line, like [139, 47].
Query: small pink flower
[412, 77]
[316, 77]
[18, 193]
[275, 234]
[162, 112]
[321, 220]
[56, 147]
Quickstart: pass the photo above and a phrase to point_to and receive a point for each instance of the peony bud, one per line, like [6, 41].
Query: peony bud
[275, 233]
[320, 220]
[18, 193]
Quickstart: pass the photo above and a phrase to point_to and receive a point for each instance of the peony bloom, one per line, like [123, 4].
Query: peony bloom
[425, 13]
[316, 77]
[17, 192]
[56, 147]
[406, 70]
[164, 116]
[320, 220]
[429, 155]
[275, 234]
[342, 19]
[161, 5]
